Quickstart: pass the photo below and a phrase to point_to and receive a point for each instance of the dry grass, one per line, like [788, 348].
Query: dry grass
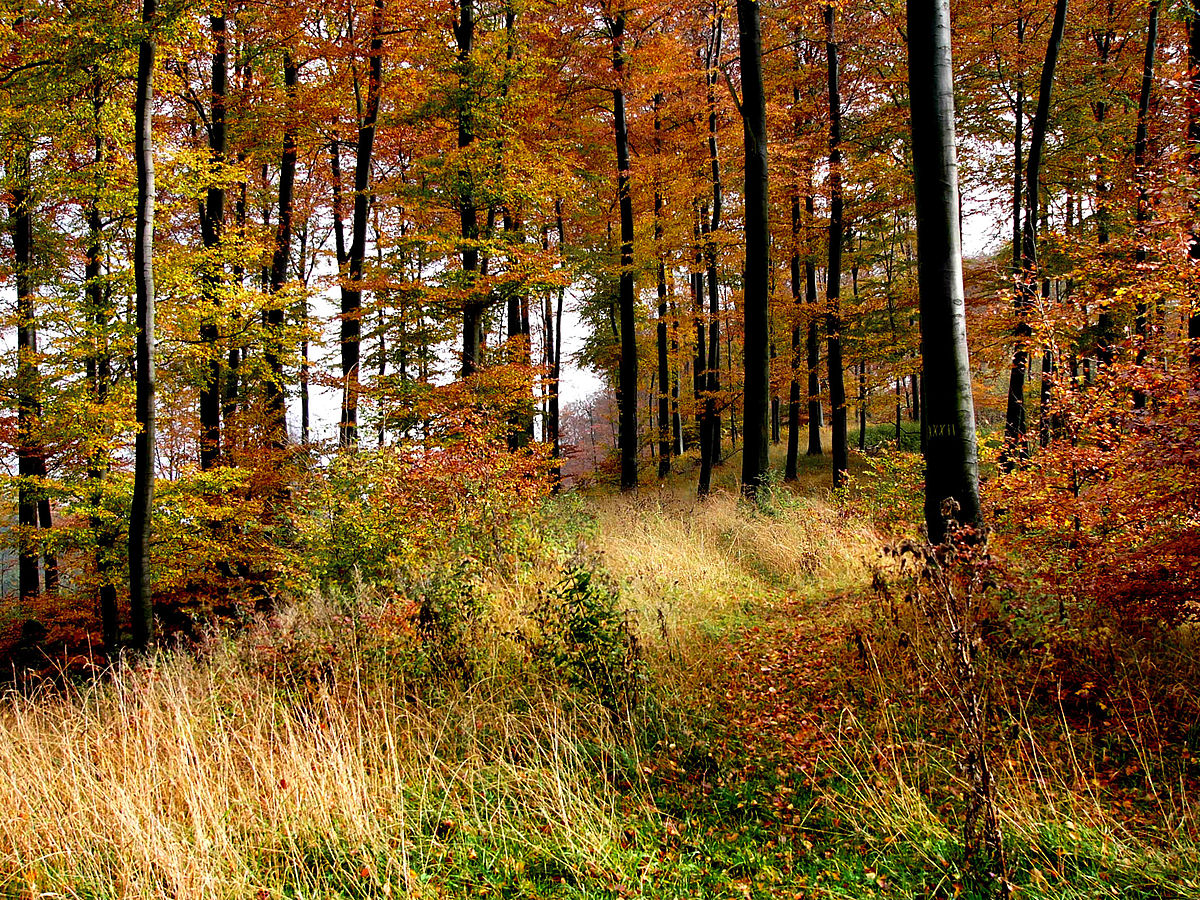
[194, 779]
[695, 562]
[200, 777]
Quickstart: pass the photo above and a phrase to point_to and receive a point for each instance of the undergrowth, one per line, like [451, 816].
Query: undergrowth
[626, 696]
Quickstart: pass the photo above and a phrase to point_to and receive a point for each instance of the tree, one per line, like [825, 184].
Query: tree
[1015, 419]
[276, 407]
[833, 314]
[351, 310]
[212, 226]
[710, 429]
[140, 515]
[951, 453]
[627, 380]
[756, 434]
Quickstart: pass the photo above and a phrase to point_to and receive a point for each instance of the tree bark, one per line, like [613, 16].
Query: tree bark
[212, 226]
[833, 317]
[755, 299]
[1015, 427]
[628, 372]
[1145, 207]
[99, 375]
[1193, 160]
[813, 340]
[710, 432]
[276, 405]
[665, 442]
[140, 518]
[468, 213]
[791, 466]
[351, 311]
[951, 453]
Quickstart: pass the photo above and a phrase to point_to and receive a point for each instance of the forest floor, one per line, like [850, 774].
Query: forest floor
[760, 731]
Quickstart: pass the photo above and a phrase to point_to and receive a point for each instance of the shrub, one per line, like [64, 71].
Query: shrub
[586, 638]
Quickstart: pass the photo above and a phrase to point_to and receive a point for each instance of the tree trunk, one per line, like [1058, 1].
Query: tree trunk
[862, 406]
[212, 226]
[1145, 207]
[276, 406]
[1193, 162]
[554, 339]
[143, 272]
[99, 375]
[665, 442]
[710, 433]
[473, 308]
[628, 372]
[951, 454]
[813, 340]
[833, 317]
[700, 363]
[351, 311]
[791, 466]
[29, 581]
[1016, 445]
[756, 295]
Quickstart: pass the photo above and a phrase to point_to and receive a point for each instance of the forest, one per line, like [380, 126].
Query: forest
[623, 448]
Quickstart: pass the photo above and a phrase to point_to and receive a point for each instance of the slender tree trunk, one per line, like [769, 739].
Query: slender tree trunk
[813, 340]
[676, 420]
[556, 361]
[1015, 428]
[276, 406]
[833, 318]
[755, 301]
[212, 226]
[99, 375]
[862, 406]
[710, 437]
[665, 441]
[1145, 208]
[143, 272]
[1193, 161]
[628, 372]
[951, 455]
[791, 466]
[28, 442]
[1018, 153]
[699, 366]
[464, 34]
[351, 312]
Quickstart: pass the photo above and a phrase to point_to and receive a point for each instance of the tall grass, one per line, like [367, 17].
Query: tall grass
[194, 778]
[221, 774]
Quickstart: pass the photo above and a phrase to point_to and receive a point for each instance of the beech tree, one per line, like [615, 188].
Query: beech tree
[141, 512]
[951, 452]
[755, 432]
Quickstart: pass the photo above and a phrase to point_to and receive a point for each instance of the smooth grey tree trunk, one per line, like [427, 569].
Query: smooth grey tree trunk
[951, 453]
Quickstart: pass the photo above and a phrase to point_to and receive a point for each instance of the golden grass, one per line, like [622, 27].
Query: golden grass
[194, 779]
[696, 561]
[200, 777]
